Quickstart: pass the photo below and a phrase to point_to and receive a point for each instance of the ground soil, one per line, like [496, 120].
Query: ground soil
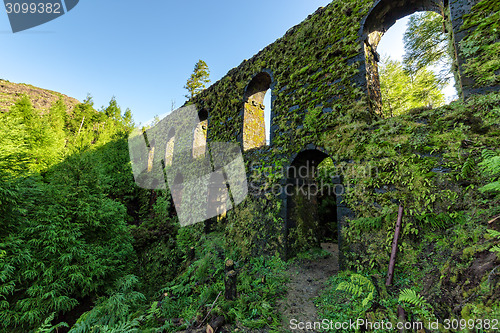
[307, 279]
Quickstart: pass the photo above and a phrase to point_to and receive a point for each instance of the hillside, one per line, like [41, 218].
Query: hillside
[40, 98]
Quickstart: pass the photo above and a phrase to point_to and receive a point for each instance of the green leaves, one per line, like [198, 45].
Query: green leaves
[494, 234]
[426, 44]
[410, 296]
[402, 90]
[482, 46]
[114, 313]
[359, 285]
[58, 253]
[490, 166]
[421, 307]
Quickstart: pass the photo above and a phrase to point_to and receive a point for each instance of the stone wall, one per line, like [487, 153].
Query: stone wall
[318, 74]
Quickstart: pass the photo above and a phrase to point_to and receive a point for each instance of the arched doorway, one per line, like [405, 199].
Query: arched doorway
[313, 204]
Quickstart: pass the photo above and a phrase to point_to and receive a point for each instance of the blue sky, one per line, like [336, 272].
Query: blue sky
[142, 52]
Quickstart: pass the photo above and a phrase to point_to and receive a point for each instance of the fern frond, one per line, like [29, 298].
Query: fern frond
[358, 285]
[486, 154]
[47, 327]
[493, 233]
[468, 168]
[363, 281]
[368, 299]
[410, 296]
[350, 287]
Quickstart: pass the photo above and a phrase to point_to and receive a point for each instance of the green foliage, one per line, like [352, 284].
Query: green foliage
[495, 234]
[47, 327]
[115, 312]
[439, 221]
[61, 247]
[40, 142]
[468, 168]
[419, 304]
[14, 152]
[197, 81]
[370, 223]
[312, 120]
[358, 286]
[200, 289]
[490, 166]
[426, 45]
[402, 91]
[482, 44]
[410, 296]
[336, 304]
[62, 236]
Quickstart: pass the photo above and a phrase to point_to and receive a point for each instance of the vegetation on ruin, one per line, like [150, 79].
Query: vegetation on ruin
[83, 249]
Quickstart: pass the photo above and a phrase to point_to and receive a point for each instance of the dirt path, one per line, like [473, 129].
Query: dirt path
[307, 278]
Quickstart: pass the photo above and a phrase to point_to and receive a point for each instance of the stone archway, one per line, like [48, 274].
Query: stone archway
[200, 134]
[380, 18]
[312, 210]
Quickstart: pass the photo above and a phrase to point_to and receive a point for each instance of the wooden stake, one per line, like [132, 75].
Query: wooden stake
[230, 281]
[191, 253]
[392, 262]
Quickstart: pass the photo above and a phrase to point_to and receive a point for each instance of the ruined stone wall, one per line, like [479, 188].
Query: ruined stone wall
[317, 74]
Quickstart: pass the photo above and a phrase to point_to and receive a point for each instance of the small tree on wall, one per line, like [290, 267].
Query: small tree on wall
[197, 81]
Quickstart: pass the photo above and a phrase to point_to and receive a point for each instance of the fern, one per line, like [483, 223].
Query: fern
[47, 327]
[112, 314]
[410, 296]
[418, 304]
[487, 154]
[490, 166]
[495, 234]
[351, 288]
[359, 285]
[468, 168]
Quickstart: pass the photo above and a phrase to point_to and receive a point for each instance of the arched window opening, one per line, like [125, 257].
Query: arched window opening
[267, 115]
[200, 135]
[151, 155]
[414, 71]
[254, 125]
[311, 205]
[176, 191]
[169, 150]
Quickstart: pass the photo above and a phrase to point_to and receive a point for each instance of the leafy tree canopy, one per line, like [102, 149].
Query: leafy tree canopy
[426, 44]
[402, 90]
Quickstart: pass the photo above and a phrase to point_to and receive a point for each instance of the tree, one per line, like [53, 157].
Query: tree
[402, 90]
[427, 45]
[113, 111]
[198, 79]
[43, 142]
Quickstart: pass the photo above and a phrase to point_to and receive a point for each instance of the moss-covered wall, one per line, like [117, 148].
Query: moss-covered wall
[426, 160]
[321, 63]
[318, 78]
[319, 86]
